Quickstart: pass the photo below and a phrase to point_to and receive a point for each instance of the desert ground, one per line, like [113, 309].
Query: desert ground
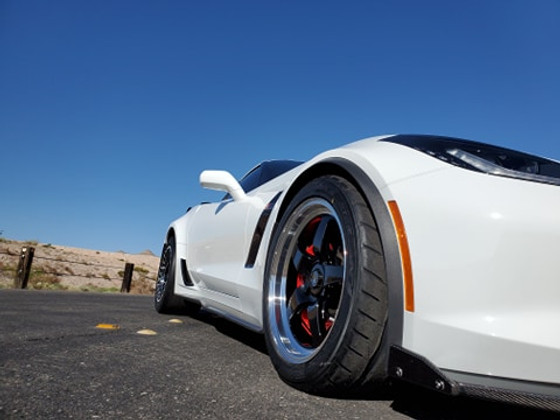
[65, 268]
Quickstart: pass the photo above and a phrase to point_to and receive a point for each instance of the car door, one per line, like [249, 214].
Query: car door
[219, 238]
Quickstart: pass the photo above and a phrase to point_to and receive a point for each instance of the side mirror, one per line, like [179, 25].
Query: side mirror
[222, 181]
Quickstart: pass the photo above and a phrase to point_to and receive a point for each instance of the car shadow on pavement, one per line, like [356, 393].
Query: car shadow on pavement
[234, 331]
[413, 401]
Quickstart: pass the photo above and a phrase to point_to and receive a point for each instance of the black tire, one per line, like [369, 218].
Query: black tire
[165, 300]
[325, 292]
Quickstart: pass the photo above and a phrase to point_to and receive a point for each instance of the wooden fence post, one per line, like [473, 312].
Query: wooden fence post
[127, 278]
[24, 267]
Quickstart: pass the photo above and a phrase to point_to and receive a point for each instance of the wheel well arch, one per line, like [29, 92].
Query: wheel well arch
[348, 170]
[326, 167]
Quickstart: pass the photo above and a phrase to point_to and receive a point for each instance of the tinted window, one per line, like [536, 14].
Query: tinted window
[265, 172]
[251, 180]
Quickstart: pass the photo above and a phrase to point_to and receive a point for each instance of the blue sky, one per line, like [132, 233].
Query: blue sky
[109, 110]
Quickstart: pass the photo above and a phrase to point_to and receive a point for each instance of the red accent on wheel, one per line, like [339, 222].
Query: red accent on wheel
[305, 322]
[310, 250]
[300, 280]
[311, 226]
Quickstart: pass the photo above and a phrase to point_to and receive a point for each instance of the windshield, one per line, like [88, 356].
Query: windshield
[266, 171]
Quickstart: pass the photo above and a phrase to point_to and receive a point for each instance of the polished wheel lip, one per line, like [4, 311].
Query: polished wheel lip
[163, 272]
[284, 339]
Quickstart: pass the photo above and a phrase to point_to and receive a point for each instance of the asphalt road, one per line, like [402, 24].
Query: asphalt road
[55, 363]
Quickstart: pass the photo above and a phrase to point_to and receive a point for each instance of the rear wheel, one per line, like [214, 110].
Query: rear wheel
[325, 293]
[165, 300]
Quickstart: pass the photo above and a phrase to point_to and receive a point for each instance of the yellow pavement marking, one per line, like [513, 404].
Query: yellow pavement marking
[175, 321]
[146, 332]
[107, 326]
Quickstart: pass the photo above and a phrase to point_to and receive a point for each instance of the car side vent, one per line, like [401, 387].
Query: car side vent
[185, 274]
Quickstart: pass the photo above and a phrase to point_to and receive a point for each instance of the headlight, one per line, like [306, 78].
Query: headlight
[485, 158]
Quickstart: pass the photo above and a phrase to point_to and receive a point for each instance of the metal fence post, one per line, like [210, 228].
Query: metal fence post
[24, 267]
[127, 278]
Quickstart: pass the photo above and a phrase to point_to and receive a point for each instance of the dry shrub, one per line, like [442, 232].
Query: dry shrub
[44, 281]
[142, 286]
[97, 289]
[7, 272]
[141, 271]
[7, 267]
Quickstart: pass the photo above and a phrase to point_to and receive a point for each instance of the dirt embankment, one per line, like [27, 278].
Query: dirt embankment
[66, 268]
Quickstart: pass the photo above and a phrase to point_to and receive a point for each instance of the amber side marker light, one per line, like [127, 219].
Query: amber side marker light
[405, 256]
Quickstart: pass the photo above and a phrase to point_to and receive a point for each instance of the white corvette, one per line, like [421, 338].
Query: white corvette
[429, 259]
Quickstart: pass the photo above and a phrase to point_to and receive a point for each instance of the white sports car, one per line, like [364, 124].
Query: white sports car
[430, 259]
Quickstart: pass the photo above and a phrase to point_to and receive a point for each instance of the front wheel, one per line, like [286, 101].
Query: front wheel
[325, 292]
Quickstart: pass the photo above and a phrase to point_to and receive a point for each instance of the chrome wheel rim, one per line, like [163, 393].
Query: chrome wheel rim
[306, 280]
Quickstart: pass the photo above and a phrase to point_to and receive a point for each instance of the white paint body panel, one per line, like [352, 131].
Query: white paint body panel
[486, 273]
[485, 258]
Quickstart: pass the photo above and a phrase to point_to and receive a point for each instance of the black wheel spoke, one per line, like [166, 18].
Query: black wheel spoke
[299, 300]
[334, 274]
[313, 314]
[302, 262]
[319, 236]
